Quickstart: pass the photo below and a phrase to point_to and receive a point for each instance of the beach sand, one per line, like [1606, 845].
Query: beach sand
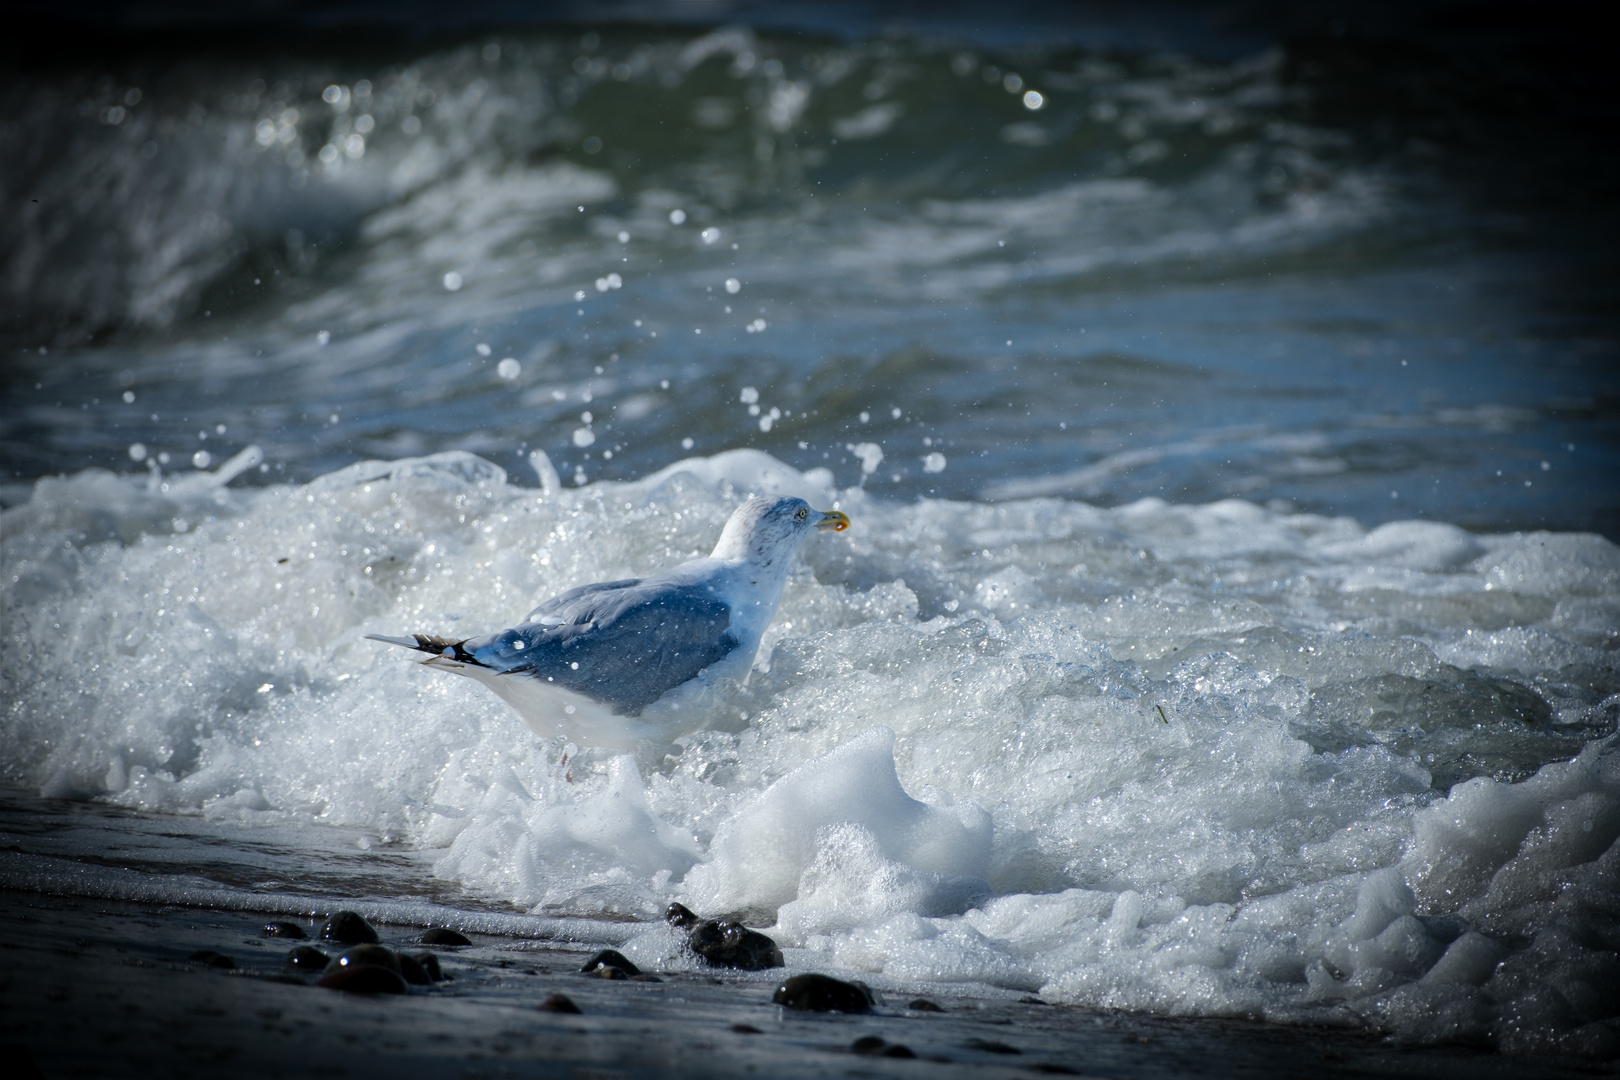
[105, 988]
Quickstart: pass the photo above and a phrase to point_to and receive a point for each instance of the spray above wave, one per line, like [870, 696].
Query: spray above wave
[1199, 759]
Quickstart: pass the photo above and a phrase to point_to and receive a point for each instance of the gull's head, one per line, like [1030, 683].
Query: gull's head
[765, 530]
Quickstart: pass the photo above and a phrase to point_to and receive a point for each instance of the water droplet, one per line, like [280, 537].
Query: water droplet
[509, 368]
[733, 286]
[677, 216]
[452, 281]
[869, 454]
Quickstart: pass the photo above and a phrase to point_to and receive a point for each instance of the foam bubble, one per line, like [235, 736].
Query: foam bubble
[760, 853]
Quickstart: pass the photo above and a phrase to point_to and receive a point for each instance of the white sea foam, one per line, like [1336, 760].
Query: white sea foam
[1208, 760]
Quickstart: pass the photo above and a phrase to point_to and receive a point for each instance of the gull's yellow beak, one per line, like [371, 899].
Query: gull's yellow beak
[834, 520]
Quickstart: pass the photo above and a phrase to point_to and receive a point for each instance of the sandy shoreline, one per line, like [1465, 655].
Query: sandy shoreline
[105, 988]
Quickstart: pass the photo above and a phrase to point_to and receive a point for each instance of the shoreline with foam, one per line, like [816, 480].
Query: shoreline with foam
[1193, 760]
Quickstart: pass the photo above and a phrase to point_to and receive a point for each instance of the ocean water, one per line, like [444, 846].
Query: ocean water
[1230, 622]
[1260, 272]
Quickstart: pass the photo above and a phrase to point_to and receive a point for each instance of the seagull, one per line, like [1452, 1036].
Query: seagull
[612, 662]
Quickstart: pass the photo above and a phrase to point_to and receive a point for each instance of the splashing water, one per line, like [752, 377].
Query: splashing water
[1207, 760]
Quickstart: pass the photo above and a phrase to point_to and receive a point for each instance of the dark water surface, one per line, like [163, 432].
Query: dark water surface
[1363, 264]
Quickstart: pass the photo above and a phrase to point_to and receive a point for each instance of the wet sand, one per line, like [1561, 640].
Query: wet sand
[105, 988]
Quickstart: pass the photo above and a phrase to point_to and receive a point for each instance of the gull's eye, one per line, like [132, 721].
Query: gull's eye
[802, 514]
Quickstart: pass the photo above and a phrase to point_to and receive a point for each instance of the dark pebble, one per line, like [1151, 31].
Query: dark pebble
[746, 1029]
[559, 1003]
[211, 958]
[365, 956]
[609, 960]
[412, 971]
[874, 1046]
[443, 935]
[680, 915]
[285, 930]
[363, 979]
[307, 958]
[429, 963]
[348, 928]
[731, 944]
[990, 1046]
[823, 993]
[1053, 1068]
[923, 1005]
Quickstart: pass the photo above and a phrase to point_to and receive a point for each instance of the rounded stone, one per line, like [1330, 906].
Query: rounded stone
[680, 915]
[348, 928]
[559, 1003]
[823, 993]
[991, 1046]
[366, 956]
[288, 930]
[363, 979]
[731, 944]
[443, 935]
[212, 959]
[412, 970]
[610, 960]
[923, 1005]
[429, 963]
[307, 958]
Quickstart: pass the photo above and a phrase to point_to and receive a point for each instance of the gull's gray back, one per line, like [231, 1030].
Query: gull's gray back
[623, 643]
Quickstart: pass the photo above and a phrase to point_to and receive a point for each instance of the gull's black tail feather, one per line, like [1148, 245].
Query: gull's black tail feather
[448, 648]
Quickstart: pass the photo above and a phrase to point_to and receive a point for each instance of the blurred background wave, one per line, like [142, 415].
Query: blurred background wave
[1354, 259]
